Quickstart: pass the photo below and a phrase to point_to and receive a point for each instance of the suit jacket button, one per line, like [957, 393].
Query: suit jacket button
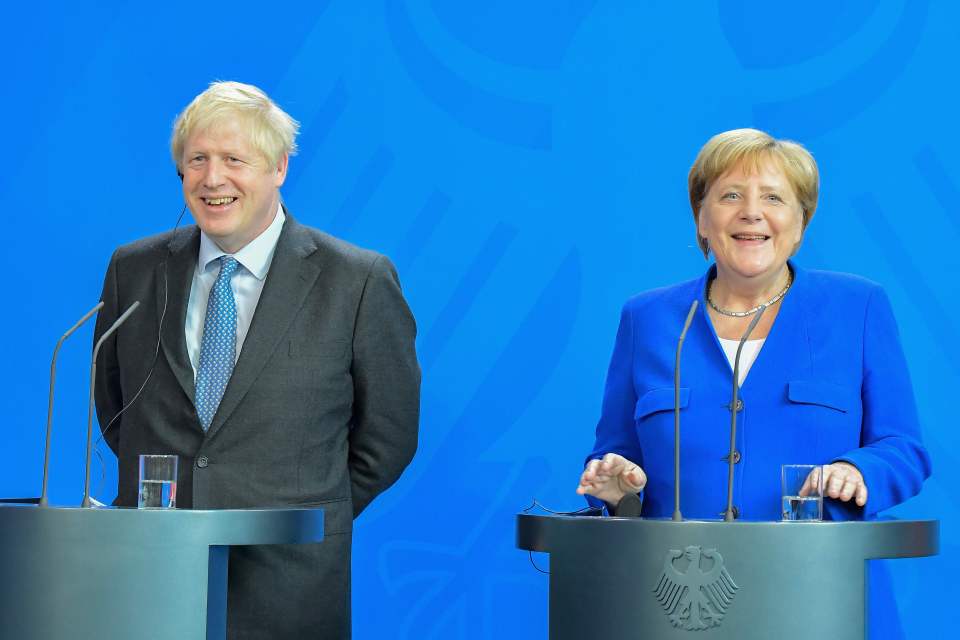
[202, 462]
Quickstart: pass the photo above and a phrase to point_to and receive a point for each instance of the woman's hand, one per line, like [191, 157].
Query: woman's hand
[611, 478]
[841, 481]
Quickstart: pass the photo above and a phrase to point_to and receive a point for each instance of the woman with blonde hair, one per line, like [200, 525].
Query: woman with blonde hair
[823, 379]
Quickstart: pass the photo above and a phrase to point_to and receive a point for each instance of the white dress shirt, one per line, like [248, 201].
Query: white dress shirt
[247, 284]
[751, 349]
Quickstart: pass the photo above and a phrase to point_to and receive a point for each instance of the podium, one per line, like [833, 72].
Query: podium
[659, 580]
[115, 574]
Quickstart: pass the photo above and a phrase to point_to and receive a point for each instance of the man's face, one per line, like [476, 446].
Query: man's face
[231, 189]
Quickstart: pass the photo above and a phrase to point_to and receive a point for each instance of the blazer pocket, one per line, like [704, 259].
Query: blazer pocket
[656, 400]
[824, 394]
[318, 349]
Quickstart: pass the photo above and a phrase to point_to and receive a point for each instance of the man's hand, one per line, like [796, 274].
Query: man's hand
[611, 478]
[841, 481]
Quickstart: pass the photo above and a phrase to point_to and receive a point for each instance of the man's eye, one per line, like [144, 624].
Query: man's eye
[196, 159]
[234, 160]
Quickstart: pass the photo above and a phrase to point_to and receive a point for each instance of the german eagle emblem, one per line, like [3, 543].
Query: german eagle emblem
[695, 597]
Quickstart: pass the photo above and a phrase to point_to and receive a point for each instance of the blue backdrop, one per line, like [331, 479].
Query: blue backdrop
[524, 163]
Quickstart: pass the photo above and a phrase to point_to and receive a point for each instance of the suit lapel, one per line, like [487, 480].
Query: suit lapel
[174, 279]
[290, 279]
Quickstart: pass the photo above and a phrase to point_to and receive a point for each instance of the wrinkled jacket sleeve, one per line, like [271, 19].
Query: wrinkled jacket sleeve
[616, 432]
[891, 456]
[383, 436]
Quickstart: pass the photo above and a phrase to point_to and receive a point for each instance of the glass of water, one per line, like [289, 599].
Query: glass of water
[802, 492]
[158, 482]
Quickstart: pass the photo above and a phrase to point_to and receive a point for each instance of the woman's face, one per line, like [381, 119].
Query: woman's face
[752, 220]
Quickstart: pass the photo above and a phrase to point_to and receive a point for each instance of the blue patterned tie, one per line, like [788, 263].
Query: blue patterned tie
[218, 348]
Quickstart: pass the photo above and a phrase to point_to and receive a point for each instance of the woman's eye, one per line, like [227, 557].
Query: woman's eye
[774, 197]
[730, 195]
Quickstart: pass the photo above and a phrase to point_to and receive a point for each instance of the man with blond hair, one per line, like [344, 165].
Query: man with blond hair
[277, 361]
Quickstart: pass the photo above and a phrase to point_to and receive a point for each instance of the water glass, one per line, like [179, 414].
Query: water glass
[802, 492]
[158, 482]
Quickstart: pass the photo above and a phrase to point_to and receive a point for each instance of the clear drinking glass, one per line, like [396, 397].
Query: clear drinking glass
[802, 492]
[158, 482]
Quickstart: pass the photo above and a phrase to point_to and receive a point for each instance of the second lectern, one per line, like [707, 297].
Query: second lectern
[619, 578]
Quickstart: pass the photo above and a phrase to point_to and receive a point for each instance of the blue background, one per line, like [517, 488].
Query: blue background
[524, 163]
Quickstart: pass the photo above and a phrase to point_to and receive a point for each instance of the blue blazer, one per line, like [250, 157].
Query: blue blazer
[830, 383]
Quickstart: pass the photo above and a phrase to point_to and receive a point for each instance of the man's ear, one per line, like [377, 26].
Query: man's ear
[282, 169]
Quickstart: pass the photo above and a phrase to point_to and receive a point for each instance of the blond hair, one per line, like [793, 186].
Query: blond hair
[271, 131]
[750, 148]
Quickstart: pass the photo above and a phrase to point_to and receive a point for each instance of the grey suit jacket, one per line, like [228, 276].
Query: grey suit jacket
[322, 409]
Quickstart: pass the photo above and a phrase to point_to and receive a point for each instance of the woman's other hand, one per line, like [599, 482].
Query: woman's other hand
[610, 478]
[841, 481]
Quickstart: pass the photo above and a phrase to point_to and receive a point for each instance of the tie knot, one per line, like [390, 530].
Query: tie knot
[228, 264]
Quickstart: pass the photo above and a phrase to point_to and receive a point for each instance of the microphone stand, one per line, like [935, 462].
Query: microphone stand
[677, 517]
[728, 514]
[43, 502]
[93, 375]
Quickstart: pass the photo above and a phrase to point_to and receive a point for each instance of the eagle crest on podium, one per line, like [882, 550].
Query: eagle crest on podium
[695, 589]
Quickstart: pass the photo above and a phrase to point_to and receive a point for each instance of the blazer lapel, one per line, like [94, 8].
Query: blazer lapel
[174, 279]
[787, 344]
[289, 281]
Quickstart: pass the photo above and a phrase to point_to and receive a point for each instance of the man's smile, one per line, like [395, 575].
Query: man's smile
[219, 201]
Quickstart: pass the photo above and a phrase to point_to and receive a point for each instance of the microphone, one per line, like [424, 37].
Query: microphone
[43, 502]
[677, 517]
[728, 514]
[87, 502]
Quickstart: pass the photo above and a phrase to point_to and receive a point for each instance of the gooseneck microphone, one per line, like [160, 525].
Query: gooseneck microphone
[677, 517]
[53, 377]
[728, 514]
[93, 375]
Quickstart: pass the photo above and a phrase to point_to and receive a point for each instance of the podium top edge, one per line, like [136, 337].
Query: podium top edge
[720, 521]
[868, 539]
[287, 525]
[113, 509]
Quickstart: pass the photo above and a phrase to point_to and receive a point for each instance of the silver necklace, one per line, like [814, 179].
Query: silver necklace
[743, 314]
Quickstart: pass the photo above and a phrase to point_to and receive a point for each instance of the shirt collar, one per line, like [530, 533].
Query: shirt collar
[255, 257]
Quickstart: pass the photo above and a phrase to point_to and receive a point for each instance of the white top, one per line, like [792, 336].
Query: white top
[247, 284]
[751, 348]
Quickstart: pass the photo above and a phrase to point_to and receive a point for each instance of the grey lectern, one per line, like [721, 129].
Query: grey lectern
[658, 579]
[128, 574]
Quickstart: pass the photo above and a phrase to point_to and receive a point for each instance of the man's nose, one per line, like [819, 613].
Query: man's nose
[213, 177]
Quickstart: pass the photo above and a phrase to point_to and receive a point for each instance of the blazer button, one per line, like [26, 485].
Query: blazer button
[736, 457]
[202, 462]
[739, 405]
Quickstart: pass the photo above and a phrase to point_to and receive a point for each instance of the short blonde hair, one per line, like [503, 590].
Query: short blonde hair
[750, 148]
[271, 131]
